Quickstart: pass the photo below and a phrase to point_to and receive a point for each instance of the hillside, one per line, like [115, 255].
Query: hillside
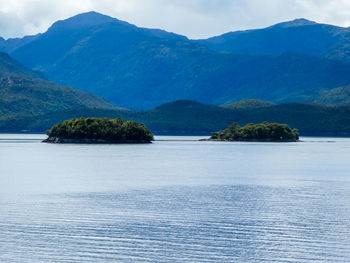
[23, 91]
[142, 68]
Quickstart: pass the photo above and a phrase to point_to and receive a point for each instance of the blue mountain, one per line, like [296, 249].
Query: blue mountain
[141, 68]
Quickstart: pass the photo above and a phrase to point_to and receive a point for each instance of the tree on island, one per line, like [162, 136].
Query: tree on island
[263, 131]
[99, 130]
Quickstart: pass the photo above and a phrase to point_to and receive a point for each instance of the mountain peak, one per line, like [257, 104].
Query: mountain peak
[87, 19]
[296, 23]
[92, 17]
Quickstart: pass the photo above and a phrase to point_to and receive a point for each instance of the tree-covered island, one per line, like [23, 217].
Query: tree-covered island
[99, 130]
[273, 132]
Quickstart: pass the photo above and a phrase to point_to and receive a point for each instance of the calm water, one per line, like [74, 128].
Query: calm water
[174, 201]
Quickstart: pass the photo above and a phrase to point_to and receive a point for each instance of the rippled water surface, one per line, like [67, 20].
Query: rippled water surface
[174, 201]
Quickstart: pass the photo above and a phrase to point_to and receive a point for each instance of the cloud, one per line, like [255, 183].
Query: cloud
[193, 18]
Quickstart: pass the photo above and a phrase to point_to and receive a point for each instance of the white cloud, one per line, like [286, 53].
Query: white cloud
[194, 18]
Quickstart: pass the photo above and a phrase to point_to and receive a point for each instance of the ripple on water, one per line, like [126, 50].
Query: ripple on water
[179, 224]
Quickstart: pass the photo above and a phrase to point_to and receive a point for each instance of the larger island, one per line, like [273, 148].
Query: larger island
[99, 130]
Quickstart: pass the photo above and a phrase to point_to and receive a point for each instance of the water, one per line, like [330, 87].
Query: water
[174, 201]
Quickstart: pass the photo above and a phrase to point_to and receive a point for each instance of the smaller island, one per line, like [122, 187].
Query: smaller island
[264, 132]
[99, 131]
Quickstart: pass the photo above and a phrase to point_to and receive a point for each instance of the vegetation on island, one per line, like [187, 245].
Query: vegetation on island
[254, 132]
[99, 130]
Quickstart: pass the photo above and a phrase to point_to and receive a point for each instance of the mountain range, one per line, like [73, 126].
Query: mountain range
[139, 68]
[86, 65]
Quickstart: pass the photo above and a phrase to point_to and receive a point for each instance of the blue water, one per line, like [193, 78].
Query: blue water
[174, 201]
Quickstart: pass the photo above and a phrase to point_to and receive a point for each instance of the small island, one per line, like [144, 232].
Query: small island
[264, 132]
[99, 131]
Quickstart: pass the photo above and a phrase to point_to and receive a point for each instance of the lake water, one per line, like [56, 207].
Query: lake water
[174, 201]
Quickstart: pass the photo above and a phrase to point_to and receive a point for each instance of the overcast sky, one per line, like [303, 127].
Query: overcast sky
[193, 18]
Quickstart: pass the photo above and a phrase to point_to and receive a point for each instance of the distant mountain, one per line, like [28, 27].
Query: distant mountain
[190, 117]
[25, 92]
[298, 36]
[142, 68]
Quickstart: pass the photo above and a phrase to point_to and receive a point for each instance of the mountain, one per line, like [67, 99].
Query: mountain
[298, 36]
[86, 34]
[142, 68]
[190, 117]
[25, 92]
[104, 56]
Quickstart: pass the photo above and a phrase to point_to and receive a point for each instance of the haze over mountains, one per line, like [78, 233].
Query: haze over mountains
[138, 68]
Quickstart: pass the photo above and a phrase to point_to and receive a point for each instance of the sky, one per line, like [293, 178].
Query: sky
[192, 18]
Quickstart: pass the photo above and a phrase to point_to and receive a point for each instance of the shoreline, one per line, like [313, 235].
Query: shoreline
[93, 141]
[249, 140]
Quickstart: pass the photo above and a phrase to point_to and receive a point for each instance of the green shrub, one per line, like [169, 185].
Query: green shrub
[100, 128]
[261, 131]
